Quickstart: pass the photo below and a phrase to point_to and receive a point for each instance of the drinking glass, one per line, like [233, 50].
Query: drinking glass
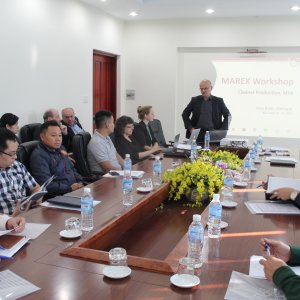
[118, 257]
[72, 225]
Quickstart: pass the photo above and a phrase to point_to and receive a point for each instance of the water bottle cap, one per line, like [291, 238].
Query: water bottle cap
[216, 197]
[86, 190]
[157, 157]
[196, 218]
[207, 131]
[127, 155]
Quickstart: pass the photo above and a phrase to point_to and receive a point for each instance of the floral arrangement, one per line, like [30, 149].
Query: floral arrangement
[223, 159]
[201, 176]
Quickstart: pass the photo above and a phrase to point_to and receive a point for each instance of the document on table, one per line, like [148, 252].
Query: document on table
[281, 159]
[244, 287]
[134, 174]
[33, 230]
[50, 205]
[256, 270]
[13, 286]
[280, 182]
[2, 232]
[9, 252]
[269, 207]
[186, 147]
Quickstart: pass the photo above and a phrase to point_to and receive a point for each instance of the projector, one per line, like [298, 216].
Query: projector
[234, 142]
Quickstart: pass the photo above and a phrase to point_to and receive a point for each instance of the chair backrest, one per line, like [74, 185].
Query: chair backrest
[24, 153]
[158, 132]
[30, 132]
[79, 143]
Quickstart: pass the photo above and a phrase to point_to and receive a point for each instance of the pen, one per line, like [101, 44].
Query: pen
[259, 186]
[267, 248]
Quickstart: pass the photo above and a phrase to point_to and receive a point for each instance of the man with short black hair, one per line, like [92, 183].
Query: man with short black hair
[47, 159]
[15, 180]
[101, 152]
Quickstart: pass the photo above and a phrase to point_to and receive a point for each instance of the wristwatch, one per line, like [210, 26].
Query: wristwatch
[293, 195]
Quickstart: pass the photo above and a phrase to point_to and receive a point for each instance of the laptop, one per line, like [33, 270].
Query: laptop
[194, 136]
[173, 151]
[217, 135]
[67, 201]
[174, 146]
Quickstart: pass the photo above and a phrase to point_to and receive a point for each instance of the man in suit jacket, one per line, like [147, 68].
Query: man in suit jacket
[208, 112]
[73, 127]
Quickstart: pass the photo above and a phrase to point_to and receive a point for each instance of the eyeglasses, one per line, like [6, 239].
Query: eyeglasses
[130, 126]
[9, 154]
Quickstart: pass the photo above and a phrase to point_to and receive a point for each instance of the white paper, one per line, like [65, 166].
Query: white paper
[3, 232]
[280, 182]
[50, 205]
[186, 147]
[244, 287]
[279, 149]
[13, 286]
[269, 207]
[8, 253]
[134, 174]
[256, 270]
[33, 230]
[281, 159]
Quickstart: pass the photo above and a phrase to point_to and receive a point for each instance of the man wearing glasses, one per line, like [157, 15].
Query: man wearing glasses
[15, 180]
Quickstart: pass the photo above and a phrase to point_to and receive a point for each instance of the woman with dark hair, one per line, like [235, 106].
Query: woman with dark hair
[126, 143]
[143, 132]
[10, 122]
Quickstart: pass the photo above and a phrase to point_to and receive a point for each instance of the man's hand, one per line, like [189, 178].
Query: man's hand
[17, 223]
[277, 249]
[282, 193]
[77, 185]
[271, 264]
[63, 129]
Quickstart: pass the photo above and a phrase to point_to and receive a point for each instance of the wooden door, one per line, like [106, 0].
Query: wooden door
[104, 82]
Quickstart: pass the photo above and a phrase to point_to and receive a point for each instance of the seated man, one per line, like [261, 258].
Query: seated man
[47, 160]
[276, 266]
[101, 152]
[16, 223]
[53, 114]
[73, 126]
[15, 180]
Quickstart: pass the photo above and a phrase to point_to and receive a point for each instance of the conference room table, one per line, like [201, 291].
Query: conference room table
[155, 236]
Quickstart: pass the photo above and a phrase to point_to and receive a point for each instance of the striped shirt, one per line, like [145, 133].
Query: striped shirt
[14, 183]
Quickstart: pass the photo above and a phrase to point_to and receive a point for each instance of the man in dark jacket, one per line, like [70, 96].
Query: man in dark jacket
[208, 112]
[48, 159]
[73, 127]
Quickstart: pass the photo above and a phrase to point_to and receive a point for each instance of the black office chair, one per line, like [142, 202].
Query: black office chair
[30, 132]
[158, 132]
[24, 152]
[79, 144]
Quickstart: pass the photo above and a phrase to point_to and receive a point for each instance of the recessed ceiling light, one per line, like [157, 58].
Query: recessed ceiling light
[210, 11]
[295, 8]
[133, 14]
[103, 0]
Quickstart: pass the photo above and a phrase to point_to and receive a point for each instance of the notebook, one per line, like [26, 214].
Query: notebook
[65, 201]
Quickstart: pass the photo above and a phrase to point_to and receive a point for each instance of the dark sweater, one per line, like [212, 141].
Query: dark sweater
[286, 279]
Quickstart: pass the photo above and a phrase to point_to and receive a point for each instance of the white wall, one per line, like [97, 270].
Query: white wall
[152, 60]
[46, 55]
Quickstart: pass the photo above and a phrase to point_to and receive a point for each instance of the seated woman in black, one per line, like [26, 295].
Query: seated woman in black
[143, 132]
[126, 143]
[10, 122]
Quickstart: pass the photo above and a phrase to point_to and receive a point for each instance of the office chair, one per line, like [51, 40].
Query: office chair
[24, 152]
[158, 132]
[79, 144]
[30, 132]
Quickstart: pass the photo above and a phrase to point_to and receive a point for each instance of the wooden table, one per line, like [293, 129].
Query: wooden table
[62, 277]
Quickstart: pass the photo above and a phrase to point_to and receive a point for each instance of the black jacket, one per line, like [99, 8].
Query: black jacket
[140, 132]
[68, 138]
[220, 113]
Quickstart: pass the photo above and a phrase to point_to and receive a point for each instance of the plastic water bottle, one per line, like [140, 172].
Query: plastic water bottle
[247, 168]
[252, 152]
[260, 143]
[206, 140]
[228, 185]
[127, 165]
[214, 217]
[156, 172]
[194, 151]
[127, 184]
[195, 241]
[87, 223]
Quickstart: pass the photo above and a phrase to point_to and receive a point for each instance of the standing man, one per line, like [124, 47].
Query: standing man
[15, 180]
[208, 112]
[73, 127]
[101, 152]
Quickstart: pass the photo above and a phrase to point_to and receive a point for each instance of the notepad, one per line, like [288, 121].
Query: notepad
[280, 182]
[134, 174]
[271, 208]
[11, 244]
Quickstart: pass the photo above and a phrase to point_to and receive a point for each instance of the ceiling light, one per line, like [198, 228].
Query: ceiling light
[133, 14]
[103, 0]
[210, 11]
[295, 8]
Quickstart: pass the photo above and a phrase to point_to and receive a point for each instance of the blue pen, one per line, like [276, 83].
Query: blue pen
[267, 248]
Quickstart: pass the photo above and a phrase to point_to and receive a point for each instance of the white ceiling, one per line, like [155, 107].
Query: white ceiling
[166, 9]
